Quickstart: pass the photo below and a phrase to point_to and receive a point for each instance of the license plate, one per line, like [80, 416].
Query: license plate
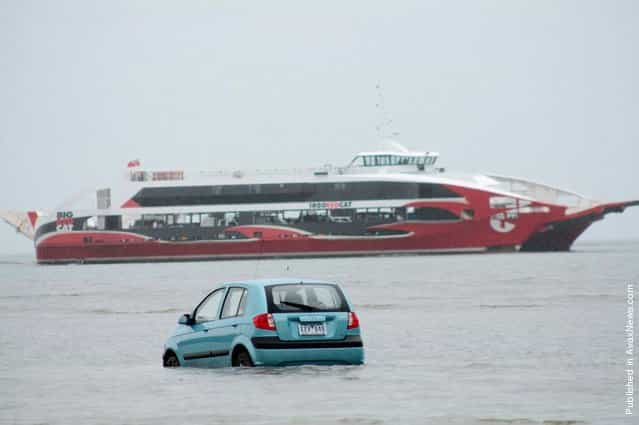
[314, 329]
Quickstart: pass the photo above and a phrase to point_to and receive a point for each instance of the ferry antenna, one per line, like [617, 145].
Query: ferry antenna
[385, 121]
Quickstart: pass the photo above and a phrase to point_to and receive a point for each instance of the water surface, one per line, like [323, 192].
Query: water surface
[451, 339]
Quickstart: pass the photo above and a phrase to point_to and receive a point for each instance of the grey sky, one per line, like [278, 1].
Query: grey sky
[545, 90]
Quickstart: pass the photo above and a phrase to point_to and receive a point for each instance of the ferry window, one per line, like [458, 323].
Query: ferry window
[432, 214]
[230, 219]
[368, 161]
[421, 160]
[342, 212]
[183, 219]
[129, 221]
[292, 192]
[340, 218]
[429, 190]
[292, 215]
[92, 223]
[315, 216]
[154, 220]
[394, 160]
[386, 213]
[207, 220]
[357, 162]
[235, 190]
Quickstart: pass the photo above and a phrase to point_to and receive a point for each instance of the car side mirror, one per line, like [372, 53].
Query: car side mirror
[185, 319]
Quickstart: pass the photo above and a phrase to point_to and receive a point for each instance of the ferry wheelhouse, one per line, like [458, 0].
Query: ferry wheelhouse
[381, 203]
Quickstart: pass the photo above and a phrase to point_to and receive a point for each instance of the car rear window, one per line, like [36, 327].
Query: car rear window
[305, 297]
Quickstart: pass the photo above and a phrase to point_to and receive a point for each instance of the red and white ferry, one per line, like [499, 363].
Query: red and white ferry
[381, 203]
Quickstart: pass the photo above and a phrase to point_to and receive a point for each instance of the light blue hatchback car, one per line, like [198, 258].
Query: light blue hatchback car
[273, 322]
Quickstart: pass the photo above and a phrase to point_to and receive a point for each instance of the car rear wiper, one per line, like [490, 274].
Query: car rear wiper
[300, 306]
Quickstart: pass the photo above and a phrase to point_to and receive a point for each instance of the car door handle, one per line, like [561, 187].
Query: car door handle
[206, 330]
[234, 325]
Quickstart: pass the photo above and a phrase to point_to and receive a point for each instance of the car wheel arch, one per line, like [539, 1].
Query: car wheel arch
[239, 348]
[168, 354]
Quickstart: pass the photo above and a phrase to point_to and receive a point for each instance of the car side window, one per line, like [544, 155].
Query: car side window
[207, 311]
[233, 303]
[240, 309]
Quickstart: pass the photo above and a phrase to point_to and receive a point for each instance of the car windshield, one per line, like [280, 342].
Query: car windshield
[291, 298]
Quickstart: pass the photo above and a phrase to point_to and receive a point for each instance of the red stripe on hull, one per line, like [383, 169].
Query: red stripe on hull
[121, 246]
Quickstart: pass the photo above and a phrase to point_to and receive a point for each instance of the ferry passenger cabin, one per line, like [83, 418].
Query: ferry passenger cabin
[206, 212]
[210, 212]
[420, 160]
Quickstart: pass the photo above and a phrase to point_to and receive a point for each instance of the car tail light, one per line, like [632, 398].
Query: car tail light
[264, 321]
[353, 320]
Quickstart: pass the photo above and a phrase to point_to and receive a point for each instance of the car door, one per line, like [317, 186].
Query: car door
[200, 349]
[230, 324]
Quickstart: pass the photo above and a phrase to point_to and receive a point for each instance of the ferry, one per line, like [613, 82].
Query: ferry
[384, 202]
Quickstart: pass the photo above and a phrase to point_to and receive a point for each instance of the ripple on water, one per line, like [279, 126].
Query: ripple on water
[446, 344]
[116, 312]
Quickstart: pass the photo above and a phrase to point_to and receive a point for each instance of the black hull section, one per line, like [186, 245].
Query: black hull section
[559, 235]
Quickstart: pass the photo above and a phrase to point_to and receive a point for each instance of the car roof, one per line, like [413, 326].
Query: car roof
[276, 281]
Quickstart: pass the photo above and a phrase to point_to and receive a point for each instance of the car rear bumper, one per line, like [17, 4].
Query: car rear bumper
[271, 351]
[275, 343]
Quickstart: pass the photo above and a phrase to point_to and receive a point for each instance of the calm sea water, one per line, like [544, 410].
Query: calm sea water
[455, 339]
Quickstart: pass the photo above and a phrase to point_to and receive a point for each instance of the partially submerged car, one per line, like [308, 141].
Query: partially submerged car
[273, 322]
